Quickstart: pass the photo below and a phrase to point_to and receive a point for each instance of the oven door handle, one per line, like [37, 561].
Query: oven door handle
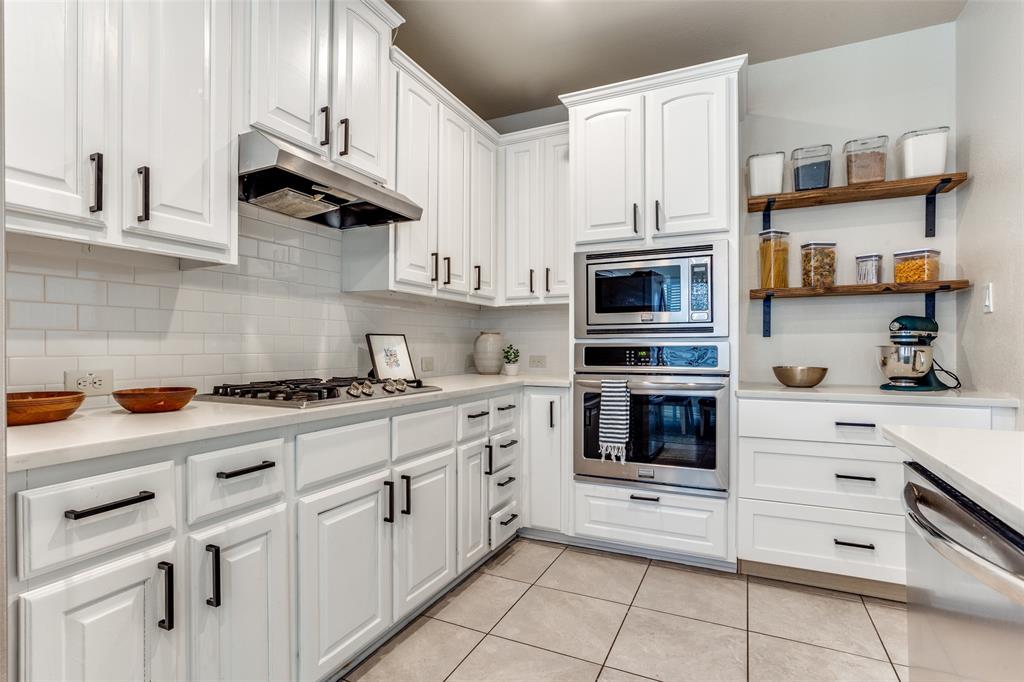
[655, 385]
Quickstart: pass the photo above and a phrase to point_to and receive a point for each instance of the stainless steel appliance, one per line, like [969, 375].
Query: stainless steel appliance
[299, 393]
[908, 363]
[678, 412]
[671, 291]
[965, 586]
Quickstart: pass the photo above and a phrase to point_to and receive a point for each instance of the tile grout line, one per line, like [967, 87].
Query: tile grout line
[746, 620]
[879, 635]
[625, 616]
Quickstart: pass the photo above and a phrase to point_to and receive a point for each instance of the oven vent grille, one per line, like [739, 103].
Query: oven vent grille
[703, 248]
[644, 331]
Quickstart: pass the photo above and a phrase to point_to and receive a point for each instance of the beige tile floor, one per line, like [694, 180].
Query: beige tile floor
[541, 611]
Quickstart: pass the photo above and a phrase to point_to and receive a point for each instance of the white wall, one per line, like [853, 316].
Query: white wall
[885, 86]
[990, 146]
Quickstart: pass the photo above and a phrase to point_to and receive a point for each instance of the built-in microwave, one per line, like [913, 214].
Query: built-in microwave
[652, 292]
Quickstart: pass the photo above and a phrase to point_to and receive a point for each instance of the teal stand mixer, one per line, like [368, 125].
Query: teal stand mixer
[907, 363]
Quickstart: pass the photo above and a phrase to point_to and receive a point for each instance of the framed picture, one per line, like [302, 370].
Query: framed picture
[389, 354]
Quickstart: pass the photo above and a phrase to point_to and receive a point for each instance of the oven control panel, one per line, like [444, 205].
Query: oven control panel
[682, 356]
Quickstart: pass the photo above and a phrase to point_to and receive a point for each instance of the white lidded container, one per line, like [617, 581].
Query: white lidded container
[923, 152]
[765, 171]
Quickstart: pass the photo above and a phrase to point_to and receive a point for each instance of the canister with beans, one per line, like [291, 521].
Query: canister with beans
[818, 264]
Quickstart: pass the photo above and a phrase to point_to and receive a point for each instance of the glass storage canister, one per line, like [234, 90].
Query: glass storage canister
[869, 268]
[774, 259]
[865, 159]
[765, 172]
[917, 265]
[818, 264]
[811, 167]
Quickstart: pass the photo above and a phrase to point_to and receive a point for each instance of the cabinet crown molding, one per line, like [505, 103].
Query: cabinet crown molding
[722, 67]
[538, 133]
[385, 12]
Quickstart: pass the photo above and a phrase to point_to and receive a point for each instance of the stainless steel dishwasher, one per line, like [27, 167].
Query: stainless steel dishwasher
[965, 586]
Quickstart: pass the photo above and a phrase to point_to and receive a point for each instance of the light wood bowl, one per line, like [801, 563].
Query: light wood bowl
[39, 407]
[162, 399]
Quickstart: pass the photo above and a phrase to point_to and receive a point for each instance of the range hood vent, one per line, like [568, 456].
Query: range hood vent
[286, 179]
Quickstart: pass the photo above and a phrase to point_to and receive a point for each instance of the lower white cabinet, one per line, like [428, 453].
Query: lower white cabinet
[504, 524]
[472, 504]
[425, 529]
[544, 448]
[344, 576]
[113, 622]
[238, 599]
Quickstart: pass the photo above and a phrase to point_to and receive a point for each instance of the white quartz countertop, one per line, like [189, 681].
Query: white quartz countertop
[101, 432]
[873, 394]
[986, 466]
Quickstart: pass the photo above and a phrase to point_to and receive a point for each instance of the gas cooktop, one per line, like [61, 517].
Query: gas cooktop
[299, 393]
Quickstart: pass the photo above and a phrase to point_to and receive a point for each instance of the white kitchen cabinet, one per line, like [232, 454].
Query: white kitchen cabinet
[178, 179]
[118, 621]
[545, 458]
[522, 219]
[483, 225]
[289, 69]
[425, 529]
[239, 599]
[556, 227]
[472, 504]
[455, 142]
[344, 571]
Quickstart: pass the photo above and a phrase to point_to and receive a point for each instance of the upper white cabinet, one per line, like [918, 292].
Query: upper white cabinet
[656, 156]
[556, 226]
[483, 222]
[522, 218]
[455, 142]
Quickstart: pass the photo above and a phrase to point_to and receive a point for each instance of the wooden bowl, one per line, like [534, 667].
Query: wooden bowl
[163, 399]
[39, 407]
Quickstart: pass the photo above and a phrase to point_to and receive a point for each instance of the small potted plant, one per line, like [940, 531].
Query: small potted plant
[511, 355]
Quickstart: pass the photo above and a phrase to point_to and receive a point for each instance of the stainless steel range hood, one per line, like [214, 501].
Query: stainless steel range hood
[284, 178]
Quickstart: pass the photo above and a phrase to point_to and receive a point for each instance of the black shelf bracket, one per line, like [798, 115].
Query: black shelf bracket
[766, 215]
[929, 305]
[929, 207]
[766, 315]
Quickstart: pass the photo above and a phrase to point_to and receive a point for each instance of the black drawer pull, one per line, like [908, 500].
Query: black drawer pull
[858, 545]
[478, 276]
[506, 407]
[265, 464]
[214, 550]
[97, 203]
[447, 270]
[547, 280]
[390, 485]
[143, 172]
[506, 481]
[645, 498]
[551, 413]
[167, 622]
[490, 460]
[433, 257]
[531, 280]
[849, 477]
[75, 514]
[408, 494]
[326, 140]
[508, 444]
[477, 415]
[509, 520]
[859, 425]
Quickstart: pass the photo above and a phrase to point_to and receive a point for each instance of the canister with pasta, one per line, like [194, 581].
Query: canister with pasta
[918, 265]
[818, 264]
[774, 259]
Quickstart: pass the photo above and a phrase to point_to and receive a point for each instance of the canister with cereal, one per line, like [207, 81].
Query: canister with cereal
[917, 265]
[818, 264]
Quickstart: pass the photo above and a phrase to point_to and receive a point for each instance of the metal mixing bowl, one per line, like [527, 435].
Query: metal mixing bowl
[800, 377]
[903, 365]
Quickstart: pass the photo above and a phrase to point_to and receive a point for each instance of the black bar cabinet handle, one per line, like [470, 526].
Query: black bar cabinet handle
[636, 208]
[143, 496]
[265, 464]
[97, 197]
[850, 477]
[506, 407]
[477, 415]
[509, 520]
[348, 128]
[547, 280]
[508, 480]
[167, 622]
[390, 485]
[860, 425]
[326, 111]
[433, 256]
[531, 280]
[508, 444]
[447, 270]
[408, 494]
[551, 413]
[645, 498]
[657, 215]
[858, 545]
[490, 460]
[143, 172]
[214, 550]
[478, 276]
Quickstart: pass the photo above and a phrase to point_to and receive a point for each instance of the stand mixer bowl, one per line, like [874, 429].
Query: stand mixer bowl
[903, 365]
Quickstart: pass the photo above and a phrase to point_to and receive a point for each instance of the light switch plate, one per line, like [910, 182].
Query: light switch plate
[90, 382]
[988, 305]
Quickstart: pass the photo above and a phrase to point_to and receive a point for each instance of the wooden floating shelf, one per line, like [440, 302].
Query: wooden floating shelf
[868, 191]
[863, 289]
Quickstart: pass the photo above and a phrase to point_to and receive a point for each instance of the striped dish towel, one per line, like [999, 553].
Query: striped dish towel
[614, 419]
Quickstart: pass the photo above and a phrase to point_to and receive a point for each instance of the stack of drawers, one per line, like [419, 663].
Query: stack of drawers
[820, 488]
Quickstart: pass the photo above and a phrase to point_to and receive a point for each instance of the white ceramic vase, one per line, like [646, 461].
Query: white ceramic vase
[511, 370]
[487, 352]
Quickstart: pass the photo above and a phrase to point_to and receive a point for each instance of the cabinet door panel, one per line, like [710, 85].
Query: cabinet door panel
[455, 142]
[688, 157]
[472, 504]
[556, 229]
[289, 68]
[522, 215]
[483, 202]
[416, 177]
[544, 438]
[247, 636]
[177, 123]
[608, 167]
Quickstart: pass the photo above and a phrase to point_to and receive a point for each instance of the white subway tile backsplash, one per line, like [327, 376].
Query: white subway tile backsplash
[159, 320]
[134, 343]
[41, 264]
[71, 290]
[23, 315]
[25, 342]
[175, 344]
[241, 284]
[104, 270]
[256, 267]
[222, 343]
[38, 371]
[202, 364]
[217, 302]
[247, 246]
[202, 279]
[134, 295]
[76, 343]
[24, 287]
[154, 366]
[273, 252]
[106, 318]
[203, 322]
[158, 278]
[123, 365]
[287, 272]
[181, 299]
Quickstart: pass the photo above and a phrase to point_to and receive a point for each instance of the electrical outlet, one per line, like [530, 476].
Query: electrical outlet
[538, 361]
[90, 382]
[989, 305]
[427, 363]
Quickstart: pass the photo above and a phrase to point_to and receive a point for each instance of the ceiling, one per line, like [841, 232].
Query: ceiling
[504, 57]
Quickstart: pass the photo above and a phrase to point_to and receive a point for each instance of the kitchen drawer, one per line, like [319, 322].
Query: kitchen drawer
[858, 477]
[676, 523]
[503, 449]
[504, 412]
[504, 524]
[113, 510]
[809, 537]
[332, 453]
[228, 479]
[847, 422]
[420, 432]
[473, 420]
[504, 486]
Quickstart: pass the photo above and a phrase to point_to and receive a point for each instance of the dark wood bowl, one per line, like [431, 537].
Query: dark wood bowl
[163, 399]
[39, 407]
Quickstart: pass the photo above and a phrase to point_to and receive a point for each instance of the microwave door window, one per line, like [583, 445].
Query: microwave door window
[638, 290]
